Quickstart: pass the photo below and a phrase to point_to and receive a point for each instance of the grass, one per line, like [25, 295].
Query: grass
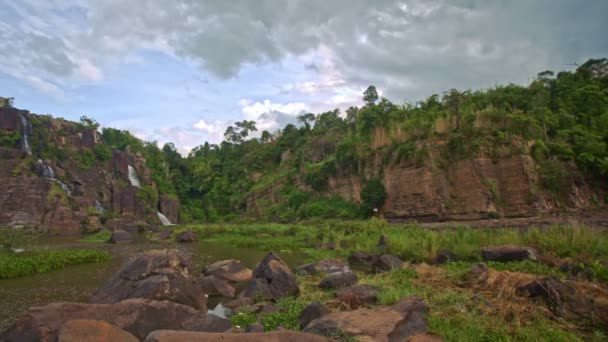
[19, 265]
[101, 236]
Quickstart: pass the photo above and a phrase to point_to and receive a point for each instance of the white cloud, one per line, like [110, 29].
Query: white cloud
[211, 128]
[253, 110]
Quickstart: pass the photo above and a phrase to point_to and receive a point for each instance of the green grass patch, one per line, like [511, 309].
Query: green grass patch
[101, 236]
[19, 265]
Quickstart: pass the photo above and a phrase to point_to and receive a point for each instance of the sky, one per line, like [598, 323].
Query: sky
[181, 71]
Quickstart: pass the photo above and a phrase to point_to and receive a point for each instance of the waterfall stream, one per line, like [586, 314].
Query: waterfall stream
[133, 177]
[48, 173]
[26, 146]
[99, 207]
[163, 219]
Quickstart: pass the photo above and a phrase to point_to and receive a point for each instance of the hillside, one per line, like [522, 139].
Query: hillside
[511, 151]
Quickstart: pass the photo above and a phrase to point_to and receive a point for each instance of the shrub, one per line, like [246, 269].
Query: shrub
[372, 196]
[12, 266]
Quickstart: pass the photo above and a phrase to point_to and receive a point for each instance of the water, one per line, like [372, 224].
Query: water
[78, 282]
[26, 137]
[48, 173]
[163, 219]
[133, 177]
[99, 207]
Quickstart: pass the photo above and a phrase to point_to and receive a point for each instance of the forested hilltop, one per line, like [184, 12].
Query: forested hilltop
[506, 151]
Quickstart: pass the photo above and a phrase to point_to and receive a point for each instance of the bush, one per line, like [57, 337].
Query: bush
[12, 266]
[372, 196]
[12, 238]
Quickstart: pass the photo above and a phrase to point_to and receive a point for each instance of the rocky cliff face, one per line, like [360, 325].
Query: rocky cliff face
[54, 178]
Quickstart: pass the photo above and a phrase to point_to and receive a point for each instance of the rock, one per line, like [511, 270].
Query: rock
[443, 256]
[121, 236]
[577, 270]
[414, 311]
[266, 308]
[255, 328]
[78, 330]
[157, 274]
[169, 206]
[186, 236]
[136, 316]
[387, 263]
[229, 270]
[508, 253]
[272, 279]
[274, 336]
[323, 266]
[234, 305]
[361, 258]
[214, 287]
[477, 273]
[311, 312]
[339, 280]
[207, 323]
[358, 295]
[424, 338]
[164, 235]
[411, 304]
[561, 297]
[380, 324]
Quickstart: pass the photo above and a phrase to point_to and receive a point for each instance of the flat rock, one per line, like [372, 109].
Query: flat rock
[229, 270]
[186, 236]
[324, 266]
[508, 253]
[358, 295]
[337, 281]
[136, 316]
[361, 258]
[387, 262]
[121, 236]
[78, 330]
[272, 279]
[274, 336]
[217, 287]
[157, 274]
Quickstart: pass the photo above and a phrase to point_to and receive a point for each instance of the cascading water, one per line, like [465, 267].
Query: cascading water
[26, 135]
[163, 219]
[99, 207]
[133, 177]
[48, 173]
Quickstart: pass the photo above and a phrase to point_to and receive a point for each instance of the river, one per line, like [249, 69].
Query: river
[77, 283]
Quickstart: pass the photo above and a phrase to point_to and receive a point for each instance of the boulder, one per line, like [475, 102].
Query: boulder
[274, 336]
[578, 270]
[121, 236]
[272, 279]
[157, 274]
[414, 311]
[508, 253]
[78, 330]
[207, 323]
[358, 295]
[229, 270]
[136, 316]
[311, 312]
[361, 258]
[164, 235]
[235, 304]
[424, 338]
[443, 256]
[255, 328]
[186, 236]
[339, 280]
[217, 287]
[380, 324]
[387, 263]
[323, 267]
[477, 273]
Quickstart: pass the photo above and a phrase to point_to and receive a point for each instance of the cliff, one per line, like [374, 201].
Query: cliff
[58, 176]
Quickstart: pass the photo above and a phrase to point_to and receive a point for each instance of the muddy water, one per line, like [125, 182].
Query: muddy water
[77, 283]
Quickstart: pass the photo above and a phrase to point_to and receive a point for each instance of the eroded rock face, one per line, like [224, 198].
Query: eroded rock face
[272, 279]
[324, 266]
[337, 281]
[275, 336]
[79, 330]
[229, 270]
[136, 316]
[508, 253]
[214, 286]
[157, 274]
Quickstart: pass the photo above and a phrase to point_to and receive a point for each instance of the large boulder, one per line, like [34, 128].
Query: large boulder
[186, 236]
[229, 270]
[361, 258]
[274, 336]
[121, 236]
[387, 263]
[339, 280]
[311, 312]
[217, 287]
[157, 274]
[443, 256]
[508, 253]
[324, 266]
[78, 330]
[136, 316]
[358, 295]
[272, 279]
[381, 324]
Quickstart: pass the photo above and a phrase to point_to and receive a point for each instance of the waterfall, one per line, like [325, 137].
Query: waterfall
[163, 219]
[26, 136]
[133, 177]
[48, 173]
[99, 207]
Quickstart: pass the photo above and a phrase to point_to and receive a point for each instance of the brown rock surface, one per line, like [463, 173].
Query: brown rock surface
[229, 270]
[79, 330]
[272, 279]
[275, 336]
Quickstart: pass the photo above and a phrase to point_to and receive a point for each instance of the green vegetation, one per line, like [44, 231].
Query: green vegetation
[9, 139]
[22, 264]
[11, 239]
[101, 236]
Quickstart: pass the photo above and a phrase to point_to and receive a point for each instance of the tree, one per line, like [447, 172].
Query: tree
[236, 134]
[89, 122]
[306, 119]
[453, 101]
[370, 95]
[373, 196]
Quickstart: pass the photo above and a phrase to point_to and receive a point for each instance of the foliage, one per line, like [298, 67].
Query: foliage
[18, 265]
[101, 236]
[12, 238]
[373, 196]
